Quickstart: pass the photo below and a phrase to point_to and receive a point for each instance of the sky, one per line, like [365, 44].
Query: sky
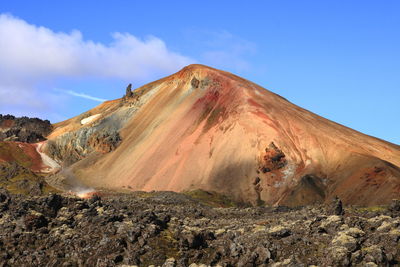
[339, 59]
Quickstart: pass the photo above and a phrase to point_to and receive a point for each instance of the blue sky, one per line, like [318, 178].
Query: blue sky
[339, 59]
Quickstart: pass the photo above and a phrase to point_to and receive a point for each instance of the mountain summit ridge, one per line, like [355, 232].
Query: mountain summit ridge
[202, 128]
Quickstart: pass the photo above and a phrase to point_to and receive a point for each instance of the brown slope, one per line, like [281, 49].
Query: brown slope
[209, 129]
[23, 154]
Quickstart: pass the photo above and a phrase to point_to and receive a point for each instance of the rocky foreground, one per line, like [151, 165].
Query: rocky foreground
[170, 229]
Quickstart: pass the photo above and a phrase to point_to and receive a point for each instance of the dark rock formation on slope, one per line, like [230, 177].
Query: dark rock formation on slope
[23, 129]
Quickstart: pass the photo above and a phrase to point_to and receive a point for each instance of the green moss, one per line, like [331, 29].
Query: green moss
[371, 209]
[143, 194]
[260, 202]
[14, 152]
[165, 246]
[20, 180]
[47, 189]
[212, 199]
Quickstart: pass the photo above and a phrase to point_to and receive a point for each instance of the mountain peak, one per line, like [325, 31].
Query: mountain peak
[199, 71]
[198, 68]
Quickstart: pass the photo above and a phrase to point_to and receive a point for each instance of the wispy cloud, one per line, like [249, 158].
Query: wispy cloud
[82, 95]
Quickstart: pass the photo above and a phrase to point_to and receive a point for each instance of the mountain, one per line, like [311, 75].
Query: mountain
[202, 128]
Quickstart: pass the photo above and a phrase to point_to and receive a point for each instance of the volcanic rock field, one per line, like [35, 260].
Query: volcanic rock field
[193, 229]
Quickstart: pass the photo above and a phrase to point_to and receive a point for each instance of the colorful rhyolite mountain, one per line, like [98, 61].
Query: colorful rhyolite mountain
[203, 128]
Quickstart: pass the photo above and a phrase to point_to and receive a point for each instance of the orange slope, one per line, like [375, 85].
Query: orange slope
[209, 129]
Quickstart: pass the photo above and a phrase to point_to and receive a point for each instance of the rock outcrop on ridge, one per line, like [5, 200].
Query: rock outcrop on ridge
[203, 128]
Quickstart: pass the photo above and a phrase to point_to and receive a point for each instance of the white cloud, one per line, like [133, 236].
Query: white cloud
[30, 55]
[38, 51]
